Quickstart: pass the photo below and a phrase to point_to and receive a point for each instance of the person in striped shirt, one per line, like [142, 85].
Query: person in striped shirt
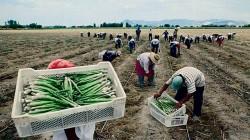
[188, 82]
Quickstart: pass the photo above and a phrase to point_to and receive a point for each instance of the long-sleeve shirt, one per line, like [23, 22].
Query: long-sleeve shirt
[138, 31]
[145, 61]
[165, 34]
[192, 77]
[118, 40]
[175, 44]
[131, 43]
[155, 42]
[109, 55]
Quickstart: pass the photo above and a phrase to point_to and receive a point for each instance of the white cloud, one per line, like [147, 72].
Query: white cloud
[78, 12]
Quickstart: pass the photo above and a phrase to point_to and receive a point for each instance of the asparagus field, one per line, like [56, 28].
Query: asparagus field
[225, 112]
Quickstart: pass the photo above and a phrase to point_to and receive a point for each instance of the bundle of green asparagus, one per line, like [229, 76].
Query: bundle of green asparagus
[166, 105]
[54, 93]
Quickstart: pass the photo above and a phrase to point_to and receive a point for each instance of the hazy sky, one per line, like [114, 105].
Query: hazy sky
[83, 12]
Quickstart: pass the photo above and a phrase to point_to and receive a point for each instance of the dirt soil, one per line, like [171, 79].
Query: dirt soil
[225, 112]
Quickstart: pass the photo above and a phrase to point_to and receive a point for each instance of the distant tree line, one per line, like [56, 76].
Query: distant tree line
[104, 24]
[169, 26]
[247, 25]
[13, 24]
[212, 25]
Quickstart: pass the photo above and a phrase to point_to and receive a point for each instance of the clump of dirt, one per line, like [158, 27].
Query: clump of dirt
[133, 98]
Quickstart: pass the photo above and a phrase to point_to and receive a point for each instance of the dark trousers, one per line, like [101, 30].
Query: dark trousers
[141, 80]
[150, 37]
[188, 45]
[198, 99]
[131, 48]
[173, 51]
[117, 46]
[155, 48]
[165, 38]
[137, 37]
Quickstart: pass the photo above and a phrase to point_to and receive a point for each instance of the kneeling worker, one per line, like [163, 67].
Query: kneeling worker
[109, 55]
[145, 66]
[188, 82]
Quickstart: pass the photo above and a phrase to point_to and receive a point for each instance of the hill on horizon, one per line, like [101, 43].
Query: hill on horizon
[186, 22]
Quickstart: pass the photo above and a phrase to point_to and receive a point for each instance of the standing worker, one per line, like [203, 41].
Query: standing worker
[131, 44]
[125, 35]
[175, 33]
[175, 49]
[138, 32]
[145, 66]
[84, 132]
[155, 44]
[150, 35]
[111, 37]
[188, 82]
[165, 34]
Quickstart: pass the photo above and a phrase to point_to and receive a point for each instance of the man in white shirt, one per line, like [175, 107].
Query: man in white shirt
[109, 55]
[188, 41]
[155, 44]
[188, 82]
[175, 49]
[145, 66]
[118, 42]
[131, 44]
[220, 40]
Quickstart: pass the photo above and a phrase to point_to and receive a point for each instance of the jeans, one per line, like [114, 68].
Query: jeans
[117, 46]
[141, 80]
[198, 99]
[173, 51]
[155, 48]
[131, 48]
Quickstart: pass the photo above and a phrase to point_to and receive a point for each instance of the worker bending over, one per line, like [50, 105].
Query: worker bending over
[155, 44]
[175, 50]
[145, 66]
[188, 82]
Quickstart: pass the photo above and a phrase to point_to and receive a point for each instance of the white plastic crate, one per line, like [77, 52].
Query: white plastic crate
[28, 125]
[176, 118]
[169, 121]
[180, 112]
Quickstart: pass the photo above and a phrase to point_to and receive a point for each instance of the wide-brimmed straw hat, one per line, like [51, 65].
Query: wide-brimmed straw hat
[154, 57]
